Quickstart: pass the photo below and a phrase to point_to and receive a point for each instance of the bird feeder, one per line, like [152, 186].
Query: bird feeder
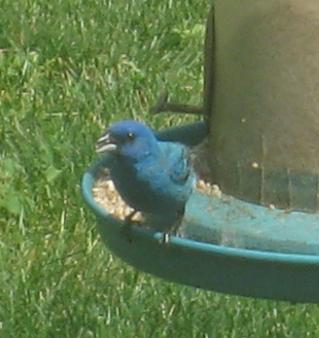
[261, 109]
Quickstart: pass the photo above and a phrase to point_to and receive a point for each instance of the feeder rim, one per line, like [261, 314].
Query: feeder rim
[246, 254]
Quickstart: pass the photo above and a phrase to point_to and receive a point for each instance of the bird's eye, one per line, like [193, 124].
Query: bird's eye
[131, 136]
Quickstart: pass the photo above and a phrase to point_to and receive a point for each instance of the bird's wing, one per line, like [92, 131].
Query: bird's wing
[179, 163]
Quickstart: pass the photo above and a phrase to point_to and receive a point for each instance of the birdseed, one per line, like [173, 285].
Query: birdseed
[106, 195]
[200, 162]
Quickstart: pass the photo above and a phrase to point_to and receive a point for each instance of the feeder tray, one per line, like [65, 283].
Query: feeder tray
[228, 245]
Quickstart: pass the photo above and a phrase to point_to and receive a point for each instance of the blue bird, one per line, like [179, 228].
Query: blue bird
[151, 176]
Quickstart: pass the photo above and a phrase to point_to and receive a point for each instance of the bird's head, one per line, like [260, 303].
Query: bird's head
[129, 139]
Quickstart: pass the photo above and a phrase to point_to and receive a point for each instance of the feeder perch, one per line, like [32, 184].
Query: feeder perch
[260, 238]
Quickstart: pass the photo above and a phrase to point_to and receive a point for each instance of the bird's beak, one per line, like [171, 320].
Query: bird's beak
[105, 144]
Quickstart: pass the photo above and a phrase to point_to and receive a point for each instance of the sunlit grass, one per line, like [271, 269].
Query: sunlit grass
[68, 68]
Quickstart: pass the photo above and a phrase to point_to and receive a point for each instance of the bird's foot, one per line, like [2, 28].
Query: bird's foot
[127, 231]
[172, 231]
[167, 235]
[127, 226]
[166, 238]
[163, 105]
[128, 219]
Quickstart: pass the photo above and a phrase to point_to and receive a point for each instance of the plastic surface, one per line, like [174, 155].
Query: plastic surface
[262, 64]
[277, 273]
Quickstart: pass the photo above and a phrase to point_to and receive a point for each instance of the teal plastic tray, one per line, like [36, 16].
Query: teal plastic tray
[232, 246]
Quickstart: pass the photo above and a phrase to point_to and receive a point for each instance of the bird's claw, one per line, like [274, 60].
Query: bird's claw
[127, 226]
[127, 231]
[165, 238]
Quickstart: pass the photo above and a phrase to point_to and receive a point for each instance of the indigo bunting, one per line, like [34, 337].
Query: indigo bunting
[152, 176]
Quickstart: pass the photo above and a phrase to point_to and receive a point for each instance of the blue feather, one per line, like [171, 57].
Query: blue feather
[152, 176]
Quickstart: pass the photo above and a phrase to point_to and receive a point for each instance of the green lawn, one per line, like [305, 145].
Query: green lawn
[67, 68]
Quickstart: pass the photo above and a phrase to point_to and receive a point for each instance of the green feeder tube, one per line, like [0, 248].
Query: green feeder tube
[264, 102]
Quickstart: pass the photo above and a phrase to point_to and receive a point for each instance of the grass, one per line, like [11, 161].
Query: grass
[68, 68]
